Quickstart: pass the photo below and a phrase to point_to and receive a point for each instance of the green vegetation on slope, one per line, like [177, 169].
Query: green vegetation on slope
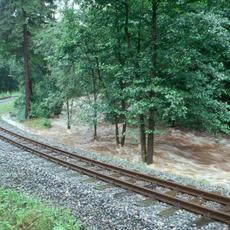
[135, 63]
[18, 211]
[6, 107]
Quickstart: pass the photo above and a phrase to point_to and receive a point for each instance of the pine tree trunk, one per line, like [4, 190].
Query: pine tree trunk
[26, 70]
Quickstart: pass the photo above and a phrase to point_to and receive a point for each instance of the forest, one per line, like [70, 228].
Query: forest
[144, 64]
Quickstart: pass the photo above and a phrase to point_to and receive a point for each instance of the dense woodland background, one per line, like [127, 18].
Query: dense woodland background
[140, 63]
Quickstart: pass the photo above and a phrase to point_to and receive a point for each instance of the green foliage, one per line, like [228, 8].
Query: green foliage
[14, 17]
[192, 66]
[6, 107]
[49, 107]
[105, 53]
[18, 211]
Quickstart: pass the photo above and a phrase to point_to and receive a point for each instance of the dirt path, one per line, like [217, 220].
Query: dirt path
[6, 99]
[188, 154]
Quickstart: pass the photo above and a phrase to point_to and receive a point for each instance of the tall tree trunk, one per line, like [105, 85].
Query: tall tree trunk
[137, 69]
[143, 138]
[26, 70]
[95, 127]
[95, 105]
[127, 38]
[108, 95]
[94, 82]
[117, 130]
[151, 120]
[150, 144]
[68, 114]
[121, 83]
[137, 75]
[124, 126]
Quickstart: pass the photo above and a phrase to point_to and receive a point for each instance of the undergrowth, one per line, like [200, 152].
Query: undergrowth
[6, 107]
[20, 212]
[38, 123]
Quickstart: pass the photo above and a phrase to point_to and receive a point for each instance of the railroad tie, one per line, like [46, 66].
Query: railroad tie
[171, 210]
[146, 203]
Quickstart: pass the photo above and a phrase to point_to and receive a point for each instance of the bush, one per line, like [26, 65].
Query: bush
[46, 123]
[51, 106]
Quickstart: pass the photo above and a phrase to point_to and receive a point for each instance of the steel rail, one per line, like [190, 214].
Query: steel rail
[143, 177]
[205, 211]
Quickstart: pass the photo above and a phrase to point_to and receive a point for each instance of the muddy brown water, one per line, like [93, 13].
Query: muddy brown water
[199, 156]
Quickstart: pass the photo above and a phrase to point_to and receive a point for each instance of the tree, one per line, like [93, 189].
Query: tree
[149, 63]
[18, 20]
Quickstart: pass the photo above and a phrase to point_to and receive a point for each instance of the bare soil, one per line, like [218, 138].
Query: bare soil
[196, 155]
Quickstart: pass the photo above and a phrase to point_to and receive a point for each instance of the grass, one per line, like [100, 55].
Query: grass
[20, 212]
[38, 123]
[6, 107]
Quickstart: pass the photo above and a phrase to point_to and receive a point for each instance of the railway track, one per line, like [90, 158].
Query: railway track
[134, 181]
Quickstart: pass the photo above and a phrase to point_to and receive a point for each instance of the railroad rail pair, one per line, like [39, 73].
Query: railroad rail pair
[134, 181]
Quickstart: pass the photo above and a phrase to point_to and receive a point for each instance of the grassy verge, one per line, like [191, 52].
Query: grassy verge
[38, 123]
[6, 107]
[19, 212]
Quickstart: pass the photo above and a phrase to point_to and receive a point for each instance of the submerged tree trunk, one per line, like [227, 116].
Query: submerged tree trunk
[95, 127]
[94, 104]
[150, 144]
[69, 109]
[117, 130]
[124, 126]
[68, 114]
[95, 120]
[143, 138]
[26, 70]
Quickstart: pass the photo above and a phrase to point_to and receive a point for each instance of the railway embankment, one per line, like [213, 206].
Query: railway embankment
[91, 200]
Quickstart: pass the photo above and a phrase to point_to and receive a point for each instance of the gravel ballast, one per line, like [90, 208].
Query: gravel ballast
[109, 208]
